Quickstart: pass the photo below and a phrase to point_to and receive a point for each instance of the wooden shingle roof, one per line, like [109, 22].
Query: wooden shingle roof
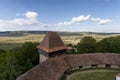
[51, 43]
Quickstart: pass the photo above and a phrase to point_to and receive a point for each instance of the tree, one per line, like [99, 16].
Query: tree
[15, 63]
[8, 67]
[86, 45]
[1, 51]
[71, 49]
[111, 44]
[28, 53]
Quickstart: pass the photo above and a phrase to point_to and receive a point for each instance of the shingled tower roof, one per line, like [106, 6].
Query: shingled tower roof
[52, 43]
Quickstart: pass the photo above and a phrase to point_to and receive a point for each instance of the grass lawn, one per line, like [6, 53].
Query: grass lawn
[94, 75]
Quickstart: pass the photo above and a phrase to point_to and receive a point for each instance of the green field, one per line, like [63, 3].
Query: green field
[8, 43]
[94, 75]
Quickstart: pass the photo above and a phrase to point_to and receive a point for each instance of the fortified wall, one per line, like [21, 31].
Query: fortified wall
[56, 68]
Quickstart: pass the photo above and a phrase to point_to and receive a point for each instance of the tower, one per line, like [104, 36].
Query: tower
[51, 46]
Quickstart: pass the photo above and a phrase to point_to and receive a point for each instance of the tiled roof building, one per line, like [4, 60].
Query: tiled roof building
[55, 68]
[51, 46]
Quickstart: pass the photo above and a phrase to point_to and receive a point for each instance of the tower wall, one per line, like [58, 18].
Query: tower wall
[42, 56]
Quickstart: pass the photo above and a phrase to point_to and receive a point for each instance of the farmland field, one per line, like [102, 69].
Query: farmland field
[8, 43]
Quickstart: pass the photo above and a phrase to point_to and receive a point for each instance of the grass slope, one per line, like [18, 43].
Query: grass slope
[94, 75]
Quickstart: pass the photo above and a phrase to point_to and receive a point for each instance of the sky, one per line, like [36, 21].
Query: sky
[60, 15]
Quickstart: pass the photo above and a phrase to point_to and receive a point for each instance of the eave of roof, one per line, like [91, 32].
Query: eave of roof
[52, 49]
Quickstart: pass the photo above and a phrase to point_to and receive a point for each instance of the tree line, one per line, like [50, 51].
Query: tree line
[90, 45]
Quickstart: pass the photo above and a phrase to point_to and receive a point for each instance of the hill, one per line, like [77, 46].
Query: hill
[22, 33]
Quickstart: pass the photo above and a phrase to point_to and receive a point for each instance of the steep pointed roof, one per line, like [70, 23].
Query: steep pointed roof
[51, 43]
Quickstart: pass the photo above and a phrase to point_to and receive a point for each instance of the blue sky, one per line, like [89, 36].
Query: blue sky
[60, 15]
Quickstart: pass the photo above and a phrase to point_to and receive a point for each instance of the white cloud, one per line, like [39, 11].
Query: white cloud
[29, 21]
[104, 21]
[74, 20]
[31, 14]
[26, 22]
[80, 18]
[101, 21]
[95, 19]
[60, 24]
[64, 23]
[23, 22]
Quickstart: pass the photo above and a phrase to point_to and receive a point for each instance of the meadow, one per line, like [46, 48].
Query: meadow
[10, 42]
[94, 75]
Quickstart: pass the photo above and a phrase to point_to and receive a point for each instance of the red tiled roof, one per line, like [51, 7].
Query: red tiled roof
[51, 50]
[51, 43]
[94, 58]
[54, 68]
[51, 69]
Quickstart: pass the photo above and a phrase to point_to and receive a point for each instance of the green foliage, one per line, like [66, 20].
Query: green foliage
[72, 51]
[1, 51]
[111, 44]
[8, 66]
[86, 45]
[18, 61]
[28, 56]
[89, 45]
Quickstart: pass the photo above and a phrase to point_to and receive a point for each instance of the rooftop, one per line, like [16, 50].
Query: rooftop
[54, 68]
[51, 43]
